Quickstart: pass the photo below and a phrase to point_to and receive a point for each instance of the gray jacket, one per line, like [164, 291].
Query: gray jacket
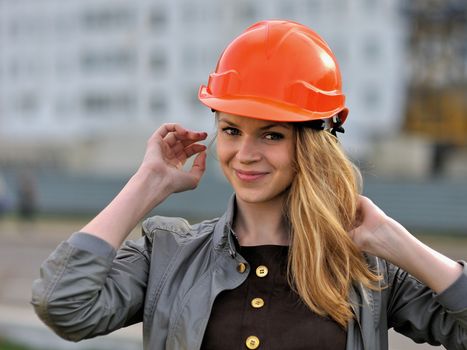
[169, 278]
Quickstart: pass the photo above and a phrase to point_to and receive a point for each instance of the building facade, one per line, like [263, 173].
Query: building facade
[83, 71]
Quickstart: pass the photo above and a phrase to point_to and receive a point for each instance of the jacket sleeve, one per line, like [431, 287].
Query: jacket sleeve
[86, 288]
[417, 312]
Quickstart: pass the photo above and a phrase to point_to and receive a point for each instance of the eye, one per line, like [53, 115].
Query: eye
[231, 131]
[274, 136]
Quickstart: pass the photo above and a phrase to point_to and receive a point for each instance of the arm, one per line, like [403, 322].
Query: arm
[87, 288]
[160, 175]
[382, 236]
[414, 272]
[415, 311]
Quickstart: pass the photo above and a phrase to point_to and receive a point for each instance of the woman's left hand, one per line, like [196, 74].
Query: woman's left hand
[379, 235]
[375, 232]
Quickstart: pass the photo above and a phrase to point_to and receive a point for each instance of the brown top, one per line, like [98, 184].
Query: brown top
[264, 313]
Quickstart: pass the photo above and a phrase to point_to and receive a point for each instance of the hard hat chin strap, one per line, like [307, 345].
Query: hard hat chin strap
[332, 125]
[336, 125]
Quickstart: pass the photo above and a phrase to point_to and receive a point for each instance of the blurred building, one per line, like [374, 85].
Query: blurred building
[433, 138]
[437, 98]
[83, 83]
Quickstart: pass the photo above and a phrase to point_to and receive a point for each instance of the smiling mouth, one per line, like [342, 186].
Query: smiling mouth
[249, 176]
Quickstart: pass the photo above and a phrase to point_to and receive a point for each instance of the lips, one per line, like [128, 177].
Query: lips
[249, 176]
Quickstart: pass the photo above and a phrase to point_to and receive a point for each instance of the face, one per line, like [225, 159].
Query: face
[256, 156]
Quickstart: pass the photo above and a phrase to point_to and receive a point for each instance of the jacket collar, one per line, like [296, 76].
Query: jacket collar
[223, 238]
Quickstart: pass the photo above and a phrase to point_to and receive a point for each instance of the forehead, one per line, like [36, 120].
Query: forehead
[249, 122]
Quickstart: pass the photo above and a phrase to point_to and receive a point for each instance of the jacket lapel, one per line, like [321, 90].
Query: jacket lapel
[361, 330]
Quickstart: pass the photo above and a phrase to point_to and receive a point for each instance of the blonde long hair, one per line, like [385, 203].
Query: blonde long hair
[322, 208]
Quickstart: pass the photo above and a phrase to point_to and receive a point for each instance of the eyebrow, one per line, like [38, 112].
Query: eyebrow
[266, 127]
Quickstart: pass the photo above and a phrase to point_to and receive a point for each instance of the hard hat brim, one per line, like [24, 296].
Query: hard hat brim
[264, 109]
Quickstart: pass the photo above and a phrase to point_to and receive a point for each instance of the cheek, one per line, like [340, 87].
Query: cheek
[287, 156]
[219, 150]
[287, 165]
[223, 159]
[222, 151]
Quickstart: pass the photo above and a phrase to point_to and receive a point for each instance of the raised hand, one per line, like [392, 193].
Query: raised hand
[167, 151]
[378, 234]
[367, 234]
[160, 174]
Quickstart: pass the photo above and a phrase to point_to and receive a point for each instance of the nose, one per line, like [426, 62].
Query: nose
[248, 150]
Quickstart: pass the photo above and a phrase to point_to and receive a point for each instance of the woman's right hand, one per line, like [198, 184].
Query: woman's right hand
[160, 174]
[167, 151]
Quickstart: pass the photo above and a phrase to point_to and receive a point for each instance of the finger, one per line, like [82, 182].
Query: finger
[194, 137]
[178, 149]
[193, 149]
[167, 128]
[161, 134]
[183, 133]
[199, 166]
[369, 208]
[180, 132]
[173, 139]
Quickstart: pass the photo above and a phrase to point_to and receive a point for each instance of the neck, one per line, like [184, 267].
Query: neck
[261, 223]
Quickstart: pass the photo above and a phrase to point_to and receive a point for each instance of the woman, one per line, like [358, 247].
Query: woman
[298, 261]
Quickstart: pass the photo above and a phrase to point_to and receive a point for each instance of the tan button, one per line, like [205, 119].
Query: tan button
[257, 303]
[241, 267]
[261, 271]
[252, 342]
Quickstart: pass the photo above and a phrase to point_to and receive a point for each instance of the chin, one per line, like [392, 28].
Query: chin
[259, 198]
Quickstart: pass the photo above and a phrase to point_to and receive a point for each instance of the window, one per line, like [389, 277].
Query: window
[201, 56]
[108, 60]
[158, 62]
[158, 19]
[98, 103]
[26, 27]
[108, 18]
[158, 104]
[195, 16]
[27, 103]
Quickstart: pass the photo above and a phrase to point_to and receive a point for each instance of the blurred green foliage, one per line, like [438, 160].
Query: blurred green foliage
[6, 345]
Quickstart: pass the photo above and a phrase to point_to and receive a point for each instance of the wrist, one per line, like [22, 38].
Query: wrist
[142, 193]
[153, 187]
[393, 241]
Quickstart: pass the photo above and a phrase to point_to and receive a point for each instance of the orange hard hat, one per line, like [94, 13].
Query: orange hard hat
[277, 70]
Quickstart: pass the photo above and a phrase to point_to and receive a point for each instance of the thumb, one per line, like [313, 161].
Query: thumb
[199, 166]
